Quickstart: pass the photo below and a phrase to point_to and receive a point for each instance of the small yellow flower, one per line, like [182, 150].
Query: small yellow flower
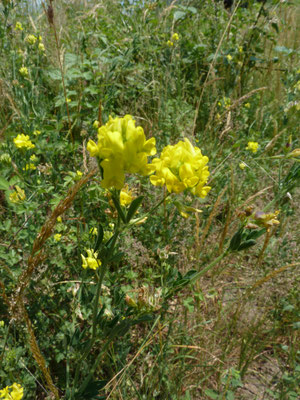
[40, 38]
[79, 174]
[69, 100]
[18, 26]
[41, 47]
[13, 392]
[252, 146]
[240, 49]
[91, 260]
[229, 57]
[96, 124]
[247, 105]
[36, 133]
[18, 196]
[175, 37]
[31, 39]
[240, 64]
[23, 71]
[125, 197]
[169, 43]
[29, 166]
[33, 158]
[293, 154]
[2, 323]
[23, 141]
[59, 219]
[94, 231]
[266, 220]
[242, 165]
[57, 237]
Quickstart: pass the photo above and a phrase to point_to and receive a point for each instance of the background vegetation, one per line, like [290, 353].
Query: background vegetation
[164, 329]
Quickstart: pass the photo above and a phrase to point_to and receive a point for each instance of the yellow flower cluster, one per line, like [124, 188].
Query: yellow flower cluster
[18, 26]
[91, 260]
[122, 147]
[23, 141]
[252, 146]
[266, 220]
[23, 71]
[181, 167]
[18, 196]
[125, 197]
[13, 392]
[31, 39]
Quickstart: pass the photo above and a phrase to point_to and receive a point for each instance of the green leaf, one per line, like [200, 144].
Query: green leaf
[133, 207]
[245, 245]
[236, 240]
[119, 209]
[92, 391]
[4, 184]
[178, 15]
[283, 49]
[256, 233]
[212, 394]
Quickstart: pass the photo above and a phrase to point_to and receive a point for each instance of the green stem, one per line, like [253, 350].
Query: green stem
[210, 266]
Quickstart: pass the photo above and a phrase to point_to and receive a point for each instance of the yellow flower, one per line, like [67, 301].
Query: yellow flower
[242, 165]
[252, 146]
[57, 237]
[69, 100]
[13, 392]
[23, 71]
[229, 57]
[23, 141]
[2, 323]
[247, 105]
[33, 158]
[122, 147]
[169, 43]
[59, 219]
[29, 166]
[94, 231]
[293, 154]
[18, 196]
[79, 174]
[175, 36]
[91, 260]
[181, 167]
[18, 26]
[96, 124]
[36, 133]
[41, 47]
[125, 197]
[31, 39]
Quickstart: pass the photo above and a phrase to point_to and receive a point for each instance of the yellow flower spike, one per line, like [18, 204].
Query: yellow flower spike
[18, 196]
[122, 147]
[181, 167]
[252, 146]
[23, 71]
[23, 141]
[18, 26]
[33, 158]
[169, 43]
[175, 37]
[91, 260]
[31, 39]
[57, 237]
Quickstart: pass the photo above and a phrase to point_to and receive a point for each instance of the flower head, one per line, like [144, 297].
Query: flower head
[29, 166]
[57, 237]
[91, 260]
[122, 147]
[23, 71]
[23, 141]
[175, 37]
[36, 132]
[96, 124]
[252, 146]
[94, 231]
[229, 57]
[181, 167]
[242, 165]
[18, 26]
[41, 47]
[169, 43]
[18, 196]
[31, 39]
[125, 197]
[266, 220]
